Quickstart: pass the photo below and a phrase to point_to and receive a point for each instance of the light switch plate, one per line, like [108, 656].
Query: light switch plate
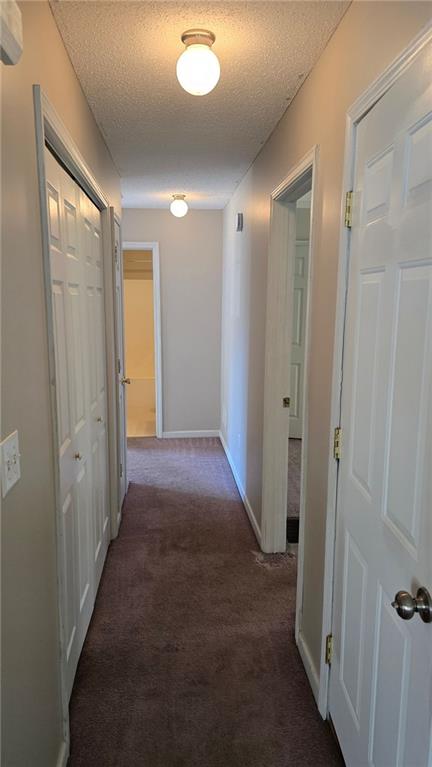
[10, 462]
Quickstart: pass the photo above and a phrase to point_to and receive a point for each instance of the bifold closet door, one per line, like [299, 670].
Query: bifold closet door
[79, 351]
[97, 393]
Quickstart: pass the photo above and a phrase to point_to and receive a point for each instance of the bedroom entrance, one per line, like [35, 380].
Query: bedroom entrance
[142, 339]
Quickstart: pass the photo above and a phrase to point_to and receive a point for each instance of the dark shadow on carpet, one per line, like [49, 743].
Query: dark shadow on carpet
[190, 659]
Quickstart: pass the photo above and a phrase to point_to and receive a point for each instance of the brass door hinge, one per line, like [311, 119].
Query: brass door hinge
[121, 469]
[286, 401]
[337, 438]
[118, 366]
[329, 649]
[348, 209]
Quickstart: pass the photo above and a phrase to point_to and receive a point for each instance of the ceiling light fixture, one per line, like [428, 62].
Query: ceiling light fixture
[179, 206]
[198, 68]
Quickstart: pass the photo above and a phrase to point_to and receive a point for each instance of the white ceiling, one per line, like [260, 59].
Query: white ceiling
[164, 140]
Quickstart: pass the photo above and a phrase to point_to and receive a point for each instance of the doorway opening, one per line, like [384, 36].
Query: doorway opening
[141, 286]
[285, 450]
[299, 303]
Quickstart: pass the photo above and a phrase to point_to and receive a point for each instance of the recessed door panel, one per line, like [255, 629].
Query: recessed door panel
[389, 689]
[62, 372]
[69, 574]
[408, 390]
[365, 377]
[353, 621]
[78, 371]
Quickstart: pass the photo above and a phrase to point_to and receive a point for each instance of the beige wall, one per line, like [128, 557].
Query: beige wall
[191, 272]
[368, 38]
[139, 325]
[31, 728]
[139, 331]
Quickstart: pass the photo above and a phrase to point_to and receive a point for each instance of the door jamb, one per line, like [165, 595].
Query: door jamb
[50, 131]
[119, 363]
[112, 388]
[154, 247]
[373, 93]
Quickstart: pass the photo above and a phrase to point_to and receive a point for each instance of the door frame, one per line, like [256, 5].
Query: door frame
[277, 373]
[373, 93]
[119, 363]
[154, 247]
[50, 131]
[278, 340]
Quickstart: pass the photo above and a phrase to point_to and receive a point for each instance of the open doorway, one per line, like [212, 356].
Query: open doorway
[142, 339]
[289, 307]
[299, 303]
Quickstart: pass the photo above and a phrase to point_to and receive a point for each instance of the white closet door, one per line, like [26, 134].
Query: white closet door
[79, 352]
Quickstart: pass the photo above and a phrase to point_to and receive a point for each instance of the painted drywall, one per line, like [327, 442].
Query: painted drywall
[31, 724]
[139, 349]
[139, 327]
[190, 251]
[367, 40]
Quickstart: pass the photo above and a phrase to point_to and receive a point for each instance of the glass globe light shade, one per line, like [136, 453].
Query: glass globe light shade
[198, 69]
[179, 207]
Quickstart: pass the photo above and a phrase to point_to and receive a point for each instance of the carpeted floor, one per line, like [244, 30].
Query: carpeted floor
[190, 659]
[294, 477]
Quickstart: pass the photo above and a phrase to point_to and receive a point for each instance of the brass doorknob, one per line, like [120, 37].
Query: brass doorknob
[406, 605]
[78, 457]
[125, 380]
[99, 419]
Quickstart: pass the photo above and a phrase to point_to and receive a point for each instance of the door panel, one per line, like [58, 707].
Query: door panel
[381, 673]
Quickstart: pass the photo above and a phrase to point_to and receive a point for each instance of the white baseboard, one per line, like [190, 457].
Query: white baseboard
[185, 434]
[309, 665]
[243, 496]
[63, 755]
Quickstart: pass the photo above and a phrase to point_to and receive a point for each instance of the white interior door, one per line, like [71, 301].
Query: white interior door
[79, 343]
[381, 673]
[298, 338]
[122, 444]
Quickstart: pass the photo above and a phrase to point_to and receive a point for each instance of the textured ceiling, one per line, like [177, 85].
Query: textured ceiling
[164, 140]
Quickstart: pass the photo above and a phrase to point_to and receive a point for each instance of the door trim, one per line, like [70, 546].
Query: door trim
[354, 115]
[50, 131]
[154, 247]
[118, 332]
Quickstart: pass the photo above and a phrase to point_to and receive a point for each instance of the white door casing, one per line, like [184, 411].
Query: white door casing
[298, 338]
[381, 671]
[120, 361]
[79, 343]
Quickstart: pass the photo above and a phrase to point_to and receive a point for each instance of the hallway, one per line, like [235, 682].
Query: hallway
[190, 657]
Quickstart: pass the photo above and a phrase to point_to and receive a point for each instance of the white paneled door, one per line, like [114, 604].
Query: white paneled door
[381, 673]
[298, 338]
[80, 377]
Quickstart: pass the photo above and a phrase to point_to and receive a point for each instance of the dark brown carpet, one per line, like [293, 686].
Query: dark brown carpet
[190, 659]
